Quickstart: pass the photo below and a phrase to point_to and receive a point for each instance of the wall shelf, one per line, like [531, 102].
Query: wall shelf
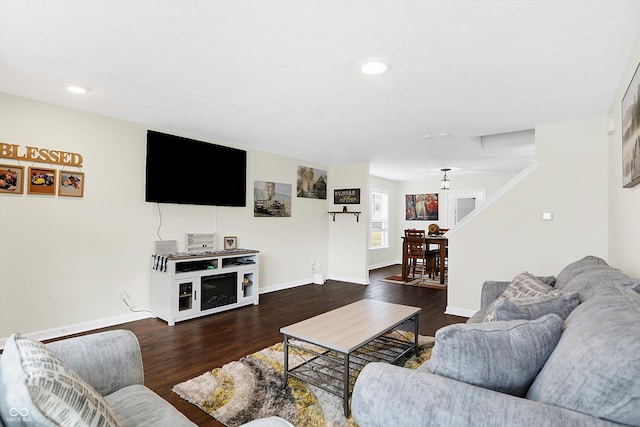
[356, 213]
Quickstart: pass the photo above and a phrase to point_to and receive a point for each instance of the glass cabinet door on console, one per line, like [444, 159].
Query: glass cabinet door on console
[185, 296]
[248, 288]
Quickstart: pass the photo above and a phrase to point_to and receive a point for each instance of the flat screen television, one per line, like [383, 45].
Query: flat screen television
[186, 171]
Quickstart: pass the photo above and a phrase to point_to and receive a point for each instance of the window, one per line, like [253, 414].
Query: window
[379, 224]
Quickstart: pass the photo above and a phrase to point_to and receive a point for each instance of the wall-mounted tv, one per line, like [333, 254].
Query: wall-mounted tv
[186, 171]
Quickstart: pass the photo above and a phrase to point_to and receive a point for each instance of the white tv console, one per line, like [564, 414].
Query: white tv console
[189, 285]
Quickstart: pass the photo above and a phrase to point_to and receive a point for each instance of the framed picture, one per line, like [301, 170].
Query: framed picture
[230, 242]
[71, 184]
[631, 133]
[271, 199]
[421, 207]
[311, 183]
[42, 181]
[11, 179]
[346, 196]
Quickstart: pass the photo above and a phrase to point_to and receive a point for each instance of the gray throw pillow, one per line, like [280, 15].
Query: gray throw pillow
[502, 356]
[40, 390]
[523, 287]
[534, 307]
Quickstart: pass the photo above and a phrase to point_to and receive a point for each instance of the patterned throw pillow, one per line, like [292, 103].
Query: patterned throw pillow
[524, 289]
[43, 391]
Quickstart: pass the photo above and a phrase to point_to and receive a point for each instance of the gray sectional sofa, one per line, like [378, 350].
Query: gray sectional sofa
[566, 356]
[91, 380]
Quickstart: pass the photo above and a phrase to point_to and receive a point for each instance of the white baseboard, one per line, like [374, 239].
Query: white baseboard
[384, 264]
[287, 285]
[308, 281]
[82, 327]
[457, 311]
[356, 280]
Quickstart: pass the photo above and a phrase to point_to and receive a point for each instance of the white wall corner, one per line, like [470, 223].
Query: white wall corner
[457, 311]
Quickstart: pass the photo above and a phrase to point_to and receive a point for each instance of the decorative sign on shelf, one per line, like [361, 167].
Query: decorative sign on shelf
[43, 155]
[347, 196]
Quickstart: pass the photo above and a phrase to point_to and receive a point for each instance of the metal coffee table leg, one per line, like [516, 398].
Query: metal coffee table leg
[346, 385]
[286, 361]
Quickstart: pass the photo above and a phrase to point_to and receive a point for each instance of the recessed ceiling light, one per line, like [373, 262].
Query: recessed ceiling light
[443, 135]
[374, 67]
[77, 90]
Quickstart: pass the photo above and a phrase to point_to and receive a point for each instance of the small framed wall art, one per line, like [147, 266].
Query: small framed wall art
[230, 242]
[42, 181]
[11, 179]
[71, 184]
[271, 199]
[631, 133]
[311, 183]
[421, 207]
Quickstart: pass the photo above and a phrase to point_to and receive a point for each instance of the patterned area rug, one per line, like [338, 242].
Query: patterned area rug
[252, 388]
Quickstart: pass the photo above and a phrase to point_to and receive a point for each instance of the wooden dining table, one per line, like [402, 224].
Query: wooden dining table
[441, 241]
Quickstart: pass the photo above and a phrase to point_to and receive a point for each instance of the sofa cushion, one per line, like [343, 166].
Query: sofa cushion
[534, 307]
[138, 406]
[594, 278]
[523, 287]
[595, 368]
[577, 267]
[502, 356]
[44, 391]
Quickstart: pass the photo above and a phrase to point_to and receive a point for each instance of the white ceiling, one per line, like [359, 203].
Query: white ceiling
[283, 76]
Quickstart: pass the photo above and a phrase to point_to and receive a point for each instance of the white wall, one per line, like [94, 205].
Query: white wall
[65, 261]
[348, 238]
[509, 236]
[623, 203]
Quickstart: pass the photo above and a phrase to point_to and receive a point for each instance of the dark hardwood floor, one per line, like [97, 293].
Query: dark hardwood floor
[172, 354]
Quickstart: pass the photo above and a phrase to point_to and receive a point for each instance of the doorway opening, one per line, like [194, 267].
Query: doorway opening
[461, 203]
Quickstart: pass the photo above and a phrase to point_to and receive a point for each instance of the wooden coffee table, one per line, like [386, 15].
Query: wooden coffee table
[346, 339]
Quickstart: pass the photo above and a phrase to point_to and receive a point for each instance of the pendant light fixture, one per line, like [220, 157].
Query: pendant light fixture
[445, 184]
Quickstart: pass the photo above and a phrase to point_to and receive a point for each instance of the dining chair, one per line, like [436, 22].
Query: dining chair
[418, 258]
[435, 230]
